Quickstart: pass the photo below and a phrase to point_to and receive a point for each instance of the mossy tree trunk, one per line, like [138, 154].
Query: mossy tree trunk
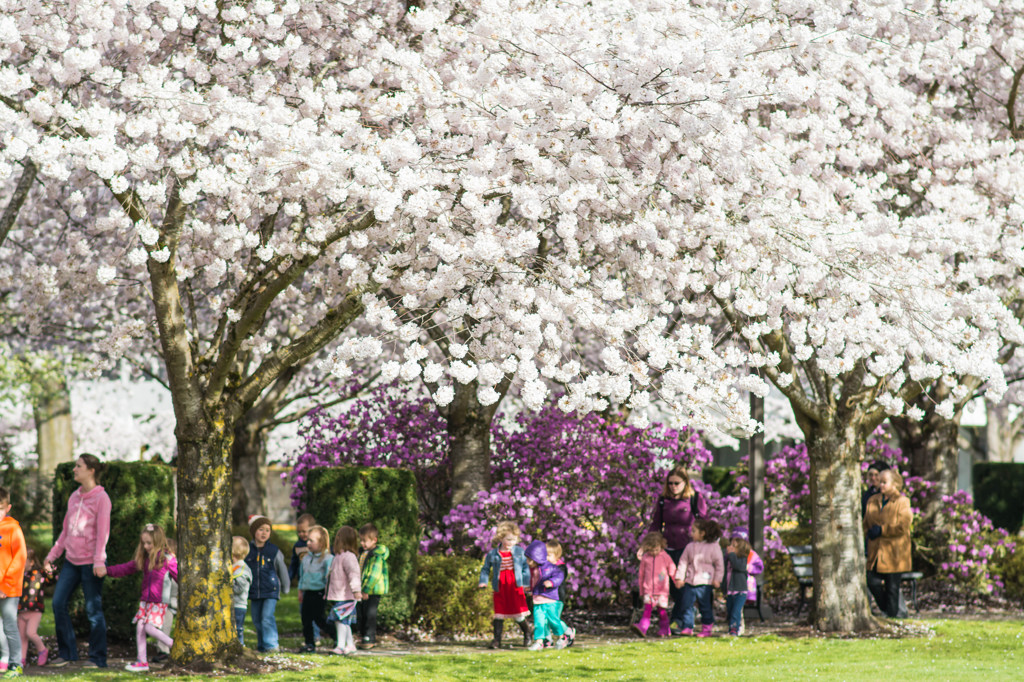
[212, 387]
[840, 602]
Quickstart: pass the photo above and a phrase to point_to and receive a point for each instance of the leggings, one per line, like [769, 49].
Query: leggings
[141, 630]
[28, 628]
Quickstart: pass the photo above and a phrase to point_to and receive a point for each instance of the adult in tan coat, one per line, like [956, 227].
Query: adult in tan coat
[887, 523]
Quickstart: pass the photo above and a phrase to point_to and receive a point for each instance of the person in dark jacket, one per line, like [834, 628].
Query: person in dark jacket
[675, 510]
[269, 579]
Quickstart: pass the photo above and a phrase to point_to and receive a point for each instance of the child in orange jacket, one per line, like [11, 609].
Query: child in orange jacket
[13, 555]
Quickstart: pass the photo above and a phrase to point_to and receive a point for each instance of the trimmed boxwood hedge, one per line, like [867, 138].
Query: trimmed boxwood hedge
[352, 496]
[999, 493]
[140, 493]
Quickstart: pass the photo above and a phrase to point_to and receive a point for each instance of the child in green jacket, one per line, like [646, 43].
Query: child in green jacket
[373, 566]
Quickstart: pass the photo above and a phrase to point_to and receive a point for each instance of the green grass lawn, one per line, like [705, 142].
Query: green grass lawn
[959, 650]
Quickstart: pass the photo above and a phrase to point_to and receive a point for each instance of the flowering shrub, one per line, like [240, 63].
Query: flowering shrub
[586, 481]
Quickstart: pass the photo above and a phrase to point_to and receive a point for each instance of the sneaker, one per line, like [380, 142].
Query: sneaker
[338, 651]
[349, 650]
[137, 667]
[89, 663]
[58, 662]
[686, 632]
[570, 636]
[3, 666]
[734, 632]
[366, 646]
[675, 627]
[538, 645]
[13, 671]
[306, 649]
[561, 643]
[43, 655]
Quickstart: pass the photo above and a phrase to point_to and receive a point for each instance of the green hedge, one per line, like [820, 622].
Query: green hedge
[999, 493]
[352, 496]
[721, 479]
[448, 597]
[140, 493]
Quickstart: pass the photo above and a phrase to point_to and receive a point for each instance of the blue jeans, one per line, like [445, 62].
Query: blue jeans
[239, 623]
[92, 587]
[702, 595]
[734, 607]
[9, 613]
[675, 593]
[264, 622]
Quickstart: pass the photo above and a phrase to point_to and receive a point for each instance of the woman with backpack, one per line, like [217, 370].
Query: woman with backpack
[675, 510]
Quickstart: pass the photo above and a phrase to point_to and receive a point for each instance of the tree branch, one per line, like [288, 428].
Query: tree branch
[28, 176]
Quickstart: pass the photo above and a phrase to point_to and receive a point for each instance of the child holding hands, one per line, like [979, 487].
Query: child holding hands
[241, 580]
[700, 571]
[154, 560]
[742, 564]
[656, 571]
[506, 570]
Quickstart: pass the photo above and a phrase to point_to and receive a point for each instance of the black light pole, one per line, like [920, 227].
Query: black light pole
[755, 475]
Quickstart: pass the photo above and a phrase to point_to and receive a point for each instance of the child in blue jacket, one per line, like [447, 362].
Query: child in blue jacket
[506, 570]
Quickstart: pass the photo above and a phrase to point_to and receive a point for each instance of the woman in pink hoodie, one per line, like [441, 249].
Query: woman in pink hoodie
[83, 542]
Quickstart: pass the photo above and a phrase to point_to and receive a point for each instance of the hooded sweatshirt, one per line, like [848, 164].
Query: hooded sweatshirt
[13, 554]
[83, 539]
[537, 552]
[152, 578]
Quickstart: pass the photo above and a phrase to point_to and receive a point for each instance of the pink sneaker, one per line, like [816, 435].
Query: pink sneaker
[137, 667]
[705, 631]
[686, 632]
[3, 667]
[43, 656]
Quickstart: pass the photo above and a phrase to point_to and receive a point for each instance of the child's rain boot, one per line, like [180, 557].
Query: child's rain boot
[663, 630]
[527, 629]
[705, 630]
[499, 625]
[645, 621]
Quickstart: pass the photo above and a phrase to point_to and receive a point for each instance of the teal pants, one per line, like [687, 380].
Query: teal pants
[547, 620]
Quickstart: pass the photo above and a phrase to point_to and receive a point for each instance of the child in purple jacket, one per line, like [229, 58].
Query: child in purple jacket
[742, 564]
[700, 571]
[545, 580]
[155, 561]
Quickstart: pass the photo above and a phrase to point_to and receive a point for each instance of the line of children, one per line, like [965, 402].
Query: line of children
[700, 570]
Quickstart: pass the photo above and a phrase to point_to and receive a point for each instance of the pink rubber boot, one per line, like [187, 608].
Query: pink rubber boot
[645, 621]
[663, 630]
[705, 631]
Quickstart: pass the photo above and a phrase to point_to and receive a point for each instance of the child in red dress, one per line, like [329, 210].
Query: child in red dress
[506, 570]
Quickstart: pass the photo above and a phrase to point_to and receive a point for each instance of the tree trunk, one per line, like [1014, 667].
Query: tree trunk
[933, 450]
[840, 602]
[204, 630]
[52, 413]
[249, 461]
[1002, 432]
[469, 432]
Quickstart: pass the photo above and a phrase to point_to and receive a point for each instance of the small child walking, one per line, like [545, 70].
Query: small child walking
[313, 572]
[700, 571]
[555, 557]
[546, 578]
[506, 570]
[13, 555]
[154, 560]
[241, 581]
[655, 579]
[344, 588]
[169, 597]
[32, 606]
[269, 580]
[373, 565]
[742, 564]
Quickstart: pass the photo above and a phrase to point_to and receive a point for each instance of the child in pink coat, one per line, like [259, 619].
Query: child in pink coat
[656, 569]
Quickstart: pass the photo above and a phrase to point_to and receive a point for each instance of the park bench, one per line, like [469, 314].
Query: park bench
[803, 569]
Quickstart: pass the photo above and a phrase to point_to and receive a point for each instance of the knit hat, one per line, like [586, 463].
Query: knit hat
[879, 466]
[739, 534]
[257, 520]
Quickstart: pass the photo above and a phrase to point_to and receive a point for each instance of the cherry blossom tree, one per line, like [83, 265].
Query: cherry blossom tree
[243, 179]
